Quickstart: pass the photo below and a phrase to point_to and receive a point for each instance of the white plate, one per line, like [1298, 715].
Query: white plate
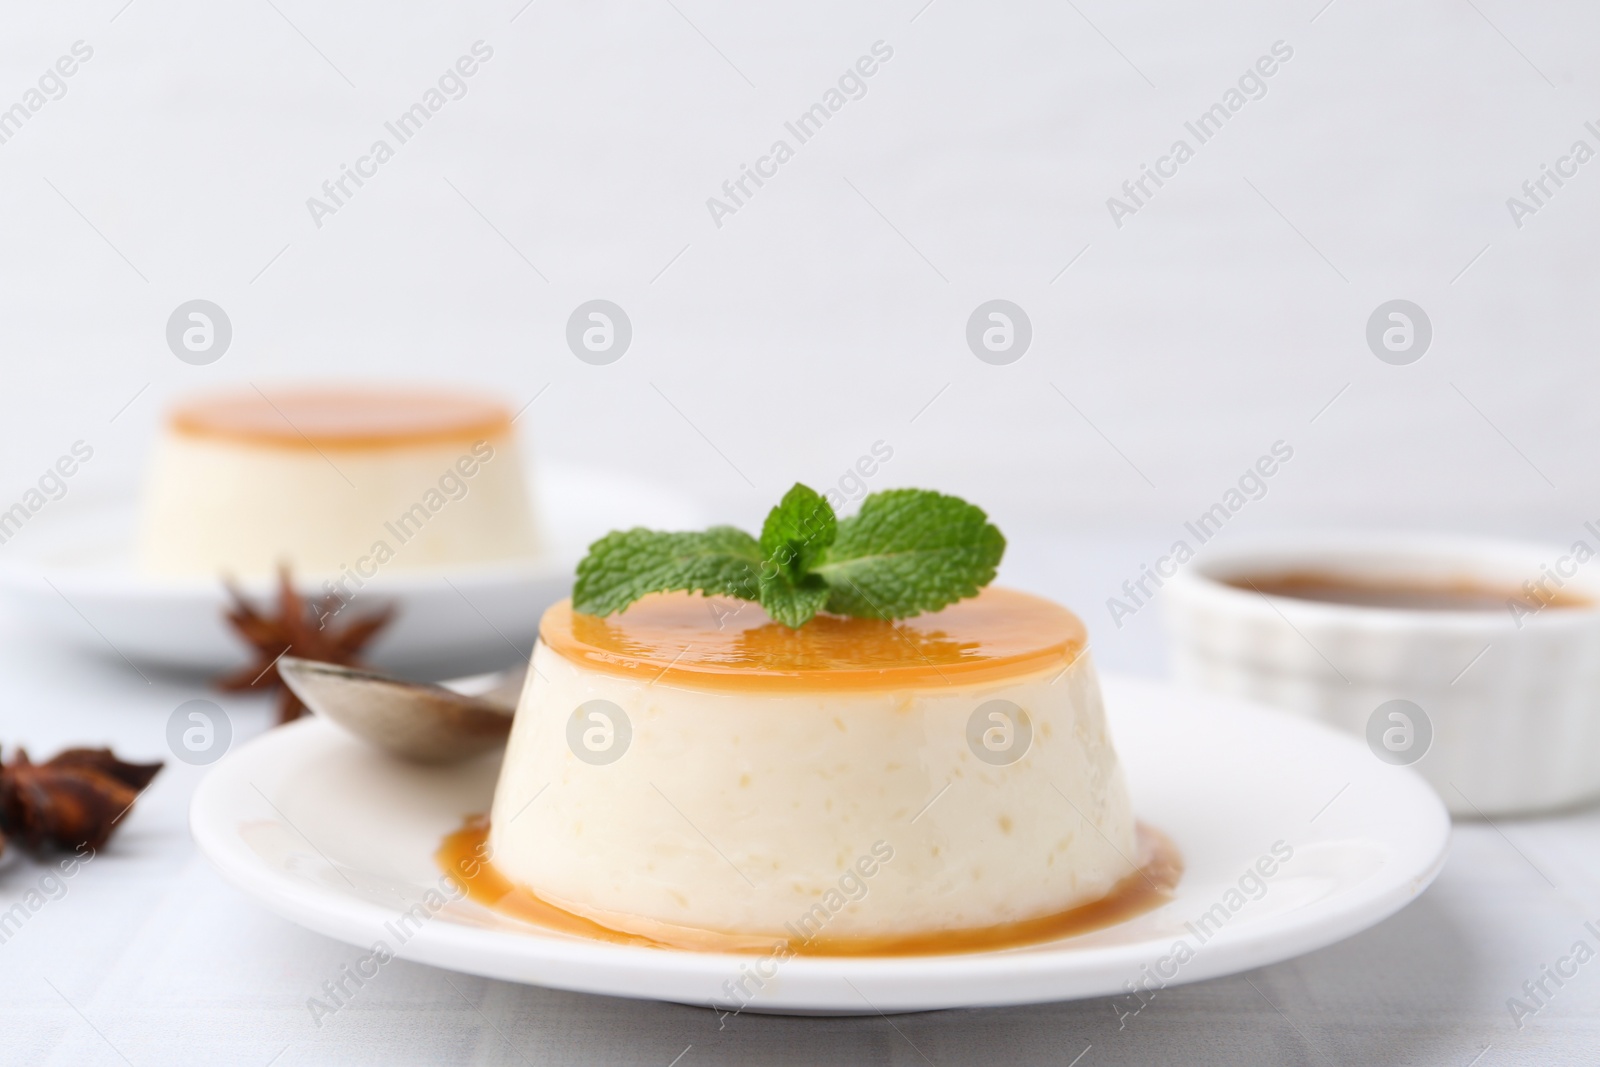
[76, 581]
[339, 838]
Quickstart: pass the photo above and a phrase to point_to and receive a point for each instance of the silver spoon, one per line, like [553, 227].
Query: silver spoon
[413, 720]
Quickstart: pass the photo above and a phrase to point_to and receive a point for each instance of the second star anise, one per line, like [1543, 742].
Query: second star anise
[300, 627]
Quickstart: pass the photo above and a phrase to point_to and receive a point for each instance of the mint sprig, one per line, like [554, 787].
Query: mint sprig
[907, 551]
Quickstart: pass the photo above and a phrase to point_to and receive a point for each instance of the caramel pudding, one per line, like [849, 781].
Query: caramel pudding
[692, 773]
[1420, 594]
[330, 480]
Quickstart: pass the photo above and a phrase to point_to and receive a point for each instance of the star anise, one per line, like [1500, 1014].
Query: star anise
[75, 799]
[301, 626]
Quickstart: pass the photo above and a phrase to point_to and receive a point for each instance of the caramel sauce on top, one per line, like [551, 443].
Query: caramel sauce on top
[1462, 594]
[733, 644]
[341, 416]
[463, 854]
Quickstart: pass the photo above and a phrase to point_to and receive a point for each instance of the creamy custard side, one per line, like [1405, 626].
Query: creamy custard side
[333, 479]
[768, 772]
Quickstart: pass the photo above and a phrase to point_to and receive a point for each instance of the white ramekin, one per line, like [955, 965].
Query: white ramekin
[1513, 703]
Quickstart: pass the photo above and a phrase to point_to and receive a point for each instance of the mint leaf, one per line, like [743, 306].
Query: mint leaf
[794, 536]
[793, 603]
[908, 551]
[625, 565]
[796, 532]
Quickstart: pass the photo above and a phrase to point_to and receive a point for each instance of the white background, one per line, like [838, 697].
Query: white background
[805, 328]
[824, 316]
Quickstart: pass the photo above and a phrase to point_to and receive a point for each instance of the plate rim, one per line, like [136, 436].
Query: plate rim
[493, 953]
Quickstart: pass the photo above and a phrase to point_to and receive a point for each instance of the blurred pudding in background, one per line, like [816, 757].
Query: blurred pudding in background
[334, 479]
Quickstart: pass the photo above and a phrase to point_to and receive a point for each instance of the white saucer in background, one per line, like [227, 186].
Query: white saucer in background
[76, 581]
[339, 838]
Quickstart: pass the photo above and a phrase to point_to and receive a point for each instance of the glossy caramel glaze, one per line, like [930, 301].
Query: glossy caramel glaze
[687, 639]
[341, 416]
[464, 855]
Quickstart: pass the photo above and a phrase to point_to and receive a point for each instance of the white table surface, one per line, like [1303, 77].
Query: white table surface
[150, 958]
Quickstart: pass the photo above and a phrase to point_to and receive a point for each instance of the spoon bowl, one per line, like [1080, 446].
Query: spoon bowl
[416, 721]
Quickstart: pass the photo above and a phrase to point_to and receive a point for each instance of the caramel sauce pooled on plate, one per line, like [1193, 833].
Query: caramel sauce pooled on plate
[463, 855]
